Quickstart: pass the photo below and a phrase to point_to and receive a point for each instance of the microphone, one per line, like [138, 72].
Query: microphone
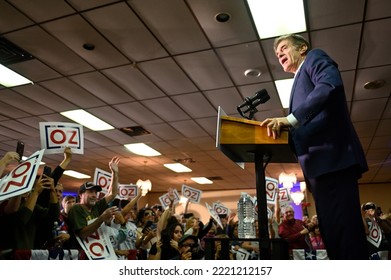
[261, 97]
[252, 102]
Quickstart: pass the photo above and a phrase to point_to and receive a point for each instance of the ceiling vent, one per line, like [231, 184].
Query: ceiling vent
[184, 160]
[10, 53]
[134, 131]
[215, 178]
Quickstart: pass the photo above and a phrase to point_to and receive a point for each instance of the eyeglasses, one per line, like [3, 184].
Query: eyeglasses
[178, 231]
[149, 214]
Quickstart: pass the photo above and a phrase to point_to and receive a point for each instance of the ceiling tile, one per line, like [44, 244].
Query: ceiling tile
[168, 76]
[205, 69]
[375, 49]
[102, 87]
[343, 12]
[126, 32]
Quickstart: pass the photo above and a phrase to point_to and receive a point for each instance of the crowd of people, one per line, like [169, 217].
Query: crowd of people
[151, 233]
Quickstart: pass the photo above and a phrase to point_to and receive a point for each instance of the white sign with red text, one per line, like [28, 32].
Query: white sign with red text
[214, 215]
[127, 192]
[21, 179]
[102, 178]
[165, 199]
[97, 245]
[375, 236]
[284, 196]
[55, 136]
[271, 190]
[220, 208]
[192, 194]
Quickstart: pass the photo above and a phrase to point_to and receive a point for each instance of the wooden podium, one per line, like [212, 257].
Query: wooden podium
[244, 140]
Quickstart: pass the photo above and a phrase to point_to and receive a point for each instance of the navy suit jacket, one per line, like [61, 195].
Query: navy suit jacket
[325, 140]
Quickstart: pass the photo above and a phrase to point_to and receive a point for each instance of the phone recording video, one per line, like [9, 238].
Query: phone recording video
[47, 171]
[149, 224]
[20, 149]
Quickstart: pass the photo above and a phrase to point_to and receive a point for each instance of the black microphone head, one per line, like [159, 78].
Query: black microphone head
[262, 96]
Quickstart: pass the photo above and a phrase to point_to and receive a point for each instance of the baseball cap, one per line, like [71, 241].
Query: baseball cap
[186, 237]
[369, 205]
[89, 186]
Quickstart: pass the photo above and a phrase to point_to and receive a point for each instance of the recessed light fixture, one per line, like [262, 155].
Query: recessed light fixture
[222, 17]
[10, 78]
[142, 150]
[202, 180]
[374, 84]
[76, 174]
[177, 167]
[271, 20]
[284, 88]
[252, 73]
[86, 119]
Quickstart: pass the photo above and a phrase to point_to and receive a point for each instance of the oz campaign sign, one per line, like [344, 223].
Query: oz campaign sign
[21, 179]
[271, 190]
[165, 199]
[97, 245]
[127, 191]
[103, 179]
[55, 136]
[192, 194]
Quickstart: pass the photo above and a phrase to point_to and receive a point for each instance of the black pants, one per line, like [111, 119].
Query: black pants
[338, 208]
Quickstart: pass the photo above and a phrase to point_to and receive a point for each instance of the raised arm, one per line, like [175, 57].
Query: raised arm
[113, 189]
[7, 159]
[131, 204]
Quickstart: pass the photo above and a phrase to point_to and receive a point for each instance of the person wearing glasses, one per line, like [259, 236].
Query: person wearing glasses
[146, 228]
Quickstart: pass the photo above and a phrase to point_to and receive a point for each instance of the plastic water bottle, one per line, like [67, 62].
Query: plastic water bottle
[246, 216]
[55, 230]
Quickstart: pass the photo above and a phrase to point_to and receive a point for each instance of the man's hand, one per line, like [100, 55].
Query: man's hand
[109, 212]
[10, 157]
[274, 126]
[113, 164]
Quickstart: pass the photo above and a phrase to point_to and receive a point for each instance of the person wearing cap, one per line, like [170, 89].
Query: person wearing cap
[378, 231]
[90, 208]
[189, 248]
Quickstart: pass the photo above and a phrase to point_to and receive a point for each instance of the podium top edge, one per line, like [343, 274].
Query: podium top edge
[240, 120]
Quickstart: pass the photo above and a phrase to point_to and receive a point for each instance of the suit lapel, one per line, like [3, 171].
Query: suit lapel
[293, 90]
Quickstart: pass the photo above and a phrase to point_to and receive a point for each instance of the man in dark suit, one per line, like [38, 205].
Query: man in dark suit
[326, 144]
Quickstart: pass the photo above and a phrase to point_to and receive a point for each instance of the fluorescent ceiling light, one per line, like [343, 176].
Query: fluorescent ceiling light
[86, 119]
[201, 180]
[284, 88]
[274, 18]
[9, 78]
[76, 174]
[142, 150]
[177, 167]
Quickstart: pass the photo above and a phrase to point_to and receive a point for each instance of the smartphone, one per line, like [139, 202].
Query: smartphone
[47, 171]
[20, 149]
[147, 225]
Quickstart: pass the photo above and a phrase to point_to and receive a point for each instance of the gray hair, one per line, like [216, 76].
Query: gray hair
[296, 40]
[286, 208]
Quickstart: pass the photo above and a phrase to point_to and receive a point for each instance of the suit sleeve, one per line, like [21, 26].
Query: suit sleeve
[323, 80]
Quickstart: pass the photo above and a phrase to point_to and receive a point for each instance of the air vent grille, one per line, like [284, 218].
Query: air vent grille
[134, 131]
[10, 53]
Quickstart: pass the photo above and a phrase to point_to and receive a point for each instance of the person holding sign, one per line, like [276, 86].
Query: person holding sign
[325, 142]
[21, 227]
[377, 230]
[91, 208]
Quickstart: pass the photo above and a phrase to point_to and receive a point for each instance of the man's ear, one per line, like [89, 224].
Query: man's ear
[303, 49]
